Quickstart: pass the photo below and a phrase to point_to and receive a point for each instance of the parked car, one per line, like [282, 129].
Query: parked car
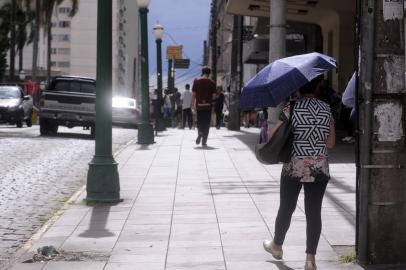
[15, 106]
[68, 101]
[125, 112]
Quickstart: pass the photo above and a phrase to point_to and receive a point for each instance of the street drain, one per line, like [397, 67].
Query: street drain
[49, 253]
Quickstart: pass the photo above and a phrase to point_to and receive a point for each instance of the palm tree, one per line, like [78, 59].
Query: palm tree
[44, 10]
[36, 28]
[48, 7]
[24, 17]
[13, 12]
[4, 38]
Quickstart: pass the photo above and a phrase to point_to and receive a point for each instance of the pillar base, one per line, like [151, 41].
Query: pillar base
[145, 134]
[103, 183]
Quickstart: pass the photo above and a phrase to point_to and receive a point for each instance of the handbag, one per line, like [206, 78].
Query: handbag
[279, 147]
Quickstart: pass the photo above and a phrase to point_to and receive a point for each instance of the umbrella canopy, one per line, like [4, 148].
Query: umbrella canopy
[277, 81]
[348, 98]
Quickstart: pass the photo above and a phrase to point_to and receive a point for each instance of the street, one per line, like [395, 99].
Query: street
[39, 174]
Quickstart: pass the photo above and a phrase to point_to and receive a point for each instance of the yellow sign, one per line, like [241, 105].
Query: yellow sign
[174, 52]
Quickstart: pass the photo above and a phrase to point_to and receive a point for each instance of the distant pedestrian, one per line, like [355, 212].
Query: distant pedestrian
[178, 108]
[313, 133]
[187, 107]
[218, 107]
[167, 106]
[349, 100]
[204, 92]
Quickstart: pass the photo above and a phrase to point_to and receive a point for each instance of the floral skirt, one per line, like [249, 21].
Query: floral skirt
[309, 169]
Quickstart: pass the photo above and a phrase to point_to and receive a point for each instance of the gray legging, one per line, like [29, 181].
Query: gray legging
[289, 193]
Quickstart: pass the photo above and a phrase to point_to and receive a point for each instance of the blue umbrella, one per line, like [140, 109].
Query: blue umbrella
[278, 80]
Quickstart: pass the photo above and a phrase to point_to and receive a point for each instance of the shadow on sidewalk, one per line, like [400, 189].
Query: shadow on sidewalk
[341, 153]
[205, 148]
[281, 265]
[98, 222]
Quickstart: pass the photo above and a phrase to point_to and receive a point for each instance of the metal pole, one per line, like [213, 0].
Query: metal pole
[170, 74]
[160, 125]
[145, 130]
[103, 184]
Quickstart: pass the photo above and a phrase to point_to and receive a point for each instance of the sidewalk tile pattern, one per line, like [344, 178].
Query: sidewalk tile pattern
[191, 208]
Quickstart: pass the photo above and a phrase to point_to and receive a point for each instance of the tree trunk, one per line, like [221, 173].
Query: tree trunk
[49, 49]
[12, 39]
[36, 40]
[20, 58]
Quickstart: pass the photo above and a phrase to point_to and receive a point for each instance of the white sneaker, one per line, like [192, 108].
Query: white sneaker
[352, 140]
[346, 139]
[309, 265]
[277, 254]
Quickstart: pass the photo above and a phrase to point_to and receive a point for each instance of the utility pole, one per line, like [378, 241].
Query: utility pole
[381, 98]
[235, 80]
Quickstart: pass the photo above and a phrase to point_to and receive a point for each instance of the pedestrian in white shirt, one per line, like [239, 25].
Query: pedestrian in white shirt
[187, 107]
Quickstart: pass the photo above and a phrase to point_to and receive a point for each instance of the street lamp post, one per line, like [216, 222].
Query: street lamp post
[103, 184]
[158, 33]
[145, 130]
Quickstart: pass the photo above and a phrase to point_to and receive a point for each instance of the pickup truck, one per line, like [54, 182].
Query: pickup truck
[68, 101]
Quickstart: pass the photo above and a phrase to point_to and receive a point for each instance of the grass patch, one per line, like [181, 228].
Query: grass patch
[348, 258]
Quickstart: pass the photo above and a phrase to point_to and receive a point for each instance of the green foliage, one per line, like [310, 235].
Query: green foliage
[348, 258]
[4, 39]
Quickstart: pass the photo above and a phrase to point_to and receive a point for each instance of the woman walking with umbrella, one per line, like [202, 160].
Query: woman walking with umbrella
[313, 133]
[308, 168]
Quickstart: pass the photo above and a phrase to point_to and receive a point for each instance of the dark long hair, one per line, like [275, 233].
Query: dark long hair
[311, 87]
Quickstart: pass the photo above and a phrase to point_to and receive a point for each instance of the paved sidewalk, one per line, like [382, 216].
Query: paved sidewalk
[198, 209]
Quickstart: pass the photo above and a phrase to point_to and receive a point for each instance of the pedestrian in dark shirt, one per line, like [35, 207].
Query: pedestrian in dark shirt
[204, 92]
[218, 107]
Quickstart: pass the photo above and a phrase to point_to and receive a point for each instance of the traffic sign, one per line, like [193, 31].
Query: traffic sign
[174, 52]
[182, 63]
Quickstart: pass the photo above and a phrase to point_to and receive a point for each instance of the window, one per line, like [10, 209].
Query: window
[53, 24]
[64, 24]
[63, 38]
[53, 64]
[64, 64]
[63, 50]
[64, 10]
[88, 88]
[53, 51]
[74, 86]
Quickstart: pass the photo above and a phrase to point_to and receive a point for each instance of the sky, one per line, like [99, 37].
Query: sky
[186, 23]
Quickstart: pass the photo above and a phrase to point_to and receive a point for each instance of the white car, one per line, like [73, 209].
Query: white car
[125, 112]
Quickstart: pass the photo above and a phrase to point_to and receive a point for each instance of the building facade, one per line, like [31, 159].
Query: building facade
[74, 44]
